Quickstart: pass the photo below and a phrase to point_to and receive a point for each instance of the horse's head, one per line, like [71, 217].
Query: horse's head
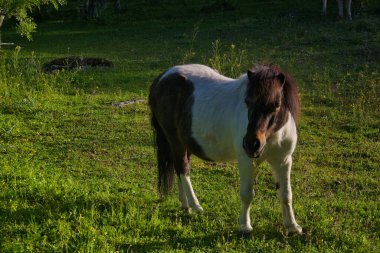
[268, 106]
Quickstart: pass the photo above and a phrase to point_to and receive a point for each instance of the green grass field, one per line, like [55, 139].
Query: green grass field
[78, 174]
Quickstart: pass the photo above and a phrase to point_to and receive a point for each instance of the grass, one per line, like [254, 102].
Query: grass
[78, 174]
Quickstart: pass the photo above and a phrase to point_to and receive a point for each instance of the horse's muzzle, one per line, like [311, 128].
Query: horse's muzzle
[253, 148]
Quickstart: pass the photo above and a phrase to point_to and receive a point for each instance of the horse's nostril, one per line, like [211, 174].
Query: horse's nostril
[256, 145]
[251, 145]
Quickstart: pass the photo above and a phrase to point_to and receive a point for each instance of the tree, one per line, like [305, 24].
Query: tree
[92, 9]
[21, 9]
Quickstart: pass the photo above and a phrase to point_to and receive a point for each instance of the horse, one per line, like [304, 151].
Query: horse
[197, 111]
[340, 7]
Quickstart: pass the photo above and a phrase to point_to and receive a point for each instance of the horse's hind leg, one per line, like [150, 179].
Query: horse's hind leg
[186, 193]
[188, 189]
[282, 170]
[182, 195]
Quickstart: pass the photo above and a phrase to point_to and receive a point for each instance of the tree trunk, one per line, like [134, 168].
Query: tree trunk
[92, 11]
[117, 6]
[1, 19]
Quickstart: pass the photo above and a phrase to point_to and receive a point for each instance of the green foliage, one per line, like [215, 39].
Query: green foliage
[227, 61]
[21, 9]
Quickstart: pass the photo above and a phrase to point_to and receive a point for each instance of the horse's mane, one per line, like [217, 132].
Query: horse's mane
[264, 74]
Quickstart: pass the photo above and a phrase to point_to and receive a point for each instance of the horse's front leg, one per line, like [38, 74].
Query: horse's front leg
[246, 172]
[282, 175]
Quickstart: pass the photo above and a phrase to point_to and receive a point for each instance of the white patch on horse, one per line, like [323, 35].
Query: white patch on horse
[217, 137]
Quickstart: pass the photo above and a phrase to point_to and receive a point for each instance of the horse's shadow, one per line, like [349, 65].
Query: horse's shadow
[41, 208]
[205, 241]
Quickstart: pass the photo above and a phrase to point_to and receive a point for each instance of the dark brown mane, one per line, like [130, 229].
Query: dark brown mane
[262, 78]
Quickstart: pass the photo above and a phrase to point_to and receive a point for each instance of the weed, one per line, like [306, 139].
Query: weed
[228, 61]
[190, 54]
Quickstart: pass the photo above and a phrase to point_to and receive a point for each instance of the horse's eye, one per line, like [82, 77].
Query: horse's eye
[277, 105]
[274, 108]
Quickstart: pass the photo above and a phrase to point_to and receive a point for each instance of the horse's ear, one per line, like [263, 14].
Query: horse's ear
[250, 75]
[281, 78]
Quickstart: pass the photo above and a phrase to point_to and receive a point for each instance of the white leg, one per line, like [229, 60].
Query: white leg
[182, 196]
[348, 2]
[188, 189]
[282, 175]
[340, 6]
[324, 8]
[246, 173]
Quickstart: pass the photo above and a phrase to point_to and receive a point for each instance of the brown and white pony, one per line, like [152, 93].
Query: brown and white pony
[195, 110]
[340, 6]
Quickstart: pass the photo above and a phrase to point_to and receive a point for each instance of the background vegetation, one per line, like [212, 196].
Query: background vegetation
[21, 11]
[77, 174]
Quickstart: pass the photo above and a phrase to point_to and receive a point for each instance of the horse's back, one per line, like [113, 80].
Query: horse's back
[198, 74]
[210, 89]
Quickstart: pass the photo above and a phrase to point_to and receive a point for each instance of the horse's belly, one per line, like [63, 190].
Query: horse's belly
[214, 146]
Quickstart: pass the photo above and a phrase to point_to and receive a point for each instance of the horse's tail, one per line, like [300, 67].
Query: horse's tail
[164, 159]
[165, 162]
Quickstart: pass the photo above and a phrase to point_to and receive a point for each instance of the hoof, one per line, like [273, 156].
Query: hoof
[294, 230]
[244, 229]
[197, 209]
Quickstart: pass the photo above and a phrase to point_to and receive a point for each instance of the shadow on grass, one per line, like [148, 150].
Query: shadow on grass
[174, 239]
[211, 241]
